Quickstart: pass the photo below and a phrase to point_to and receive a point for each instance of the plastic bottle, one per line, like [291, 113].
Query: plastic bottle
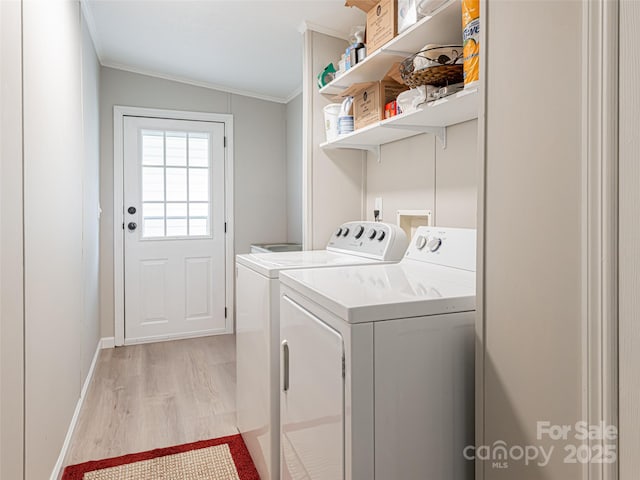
[471, 41]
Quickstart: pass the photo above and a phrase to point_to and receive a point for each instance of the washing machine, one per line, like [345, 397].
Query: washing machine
[377, 365]
[258, 329]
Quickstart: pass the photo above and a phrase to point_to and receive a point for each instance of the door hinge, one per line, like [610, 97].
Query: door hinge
[225, 142]
[344, 367]
[123, 225]
[225, 312]
[225, 227]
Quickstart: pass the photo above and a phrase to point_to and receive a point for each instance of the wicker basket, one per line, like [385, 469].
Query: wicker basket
[443, 71]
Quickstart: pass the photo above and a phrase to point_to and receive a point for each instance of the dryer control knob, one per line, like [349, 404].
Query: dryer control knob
[372, 233]
[339, 232]
[434, 244]
[345, 231]
[359, 231]
[421, 241]
[381, 235]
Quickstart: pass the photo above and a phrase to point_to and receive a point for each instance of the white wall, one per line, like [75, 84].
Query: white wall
[260, 187]
[53, 227]
[260, 164]
[418, 174]
[333, 181]
[532, 284]
[11, 253]
[456, 178]
[294, 170]
[91, 200]
[404, 177]
[59, 240]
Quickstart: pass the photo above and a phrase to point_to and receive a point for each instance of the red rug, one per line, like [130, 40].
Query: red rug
[236, 447]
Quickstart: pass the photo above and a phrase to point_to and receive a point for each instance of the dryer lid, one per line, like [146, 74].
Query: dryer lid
[371, 293]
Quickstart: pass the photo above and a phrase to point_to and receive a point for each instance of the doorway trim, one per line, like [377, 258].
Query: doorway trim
[600, 226]
[119, 112]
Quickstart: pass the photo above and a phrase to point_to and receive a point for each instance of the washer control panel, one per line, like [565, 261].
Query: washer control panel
[451, 247]
[369, 239]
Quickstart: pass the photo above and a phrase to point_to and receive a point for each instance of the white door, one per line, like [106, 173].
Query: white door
[312, 396]
[174, 228]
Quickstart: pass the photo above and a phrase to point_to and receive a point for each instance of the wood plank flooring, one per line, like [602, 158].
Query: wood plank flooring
[157, 395]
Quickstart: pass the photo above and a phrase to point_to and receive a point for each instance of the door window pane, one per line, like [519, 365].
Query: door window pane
[152, 184]
[152, 147]
[175, 184]
[153, 210]
[153, 227]
[176, 227]
[177, 149]
[177, 210]
[198, 226]
[199, 184]
[198, 150]
[199, 210]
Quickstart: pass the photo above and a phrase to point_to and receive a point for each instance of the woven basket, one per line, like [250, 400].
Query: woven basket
[446, 72]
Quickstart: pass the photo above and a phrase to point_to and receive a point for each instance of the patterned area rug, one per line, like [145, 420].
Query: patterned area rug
[225, 458]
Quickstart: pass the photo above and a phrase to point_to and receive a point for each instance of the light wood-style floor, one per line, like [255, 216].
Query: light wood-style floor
[157, 395]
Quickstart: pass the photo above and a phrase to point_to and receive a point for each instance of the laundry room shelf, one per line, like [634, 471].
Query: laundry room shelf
[443, 27]
[433, 117]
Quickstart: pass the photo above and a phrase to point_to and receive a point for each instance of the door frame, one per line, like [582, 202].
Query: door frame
[119, 112]
[600, 210]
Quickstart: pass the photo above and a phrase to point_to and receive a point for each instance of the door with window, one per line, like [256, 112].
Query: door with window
[174, 228]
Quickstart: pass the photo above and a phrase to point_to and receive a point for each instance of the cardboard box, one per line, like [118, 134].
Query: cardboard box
[364, 5]
[382, 24]
[369, 100]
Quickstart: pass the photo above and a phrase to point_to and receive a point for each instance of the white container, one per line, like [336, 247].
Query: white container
[427, 7]
[331, 113]
[407, 14]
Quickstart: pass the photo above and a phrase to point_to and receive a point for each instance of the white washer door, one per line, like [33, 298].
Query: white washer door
[311, 396]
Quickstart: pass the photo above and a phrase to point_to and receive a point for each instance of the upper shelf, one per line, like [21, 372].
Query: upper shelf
[443, 27]
[433, 117]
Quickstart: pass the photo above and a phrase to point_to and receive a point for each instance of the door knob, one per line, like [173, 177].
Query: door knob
[132, 226]
[131, 210]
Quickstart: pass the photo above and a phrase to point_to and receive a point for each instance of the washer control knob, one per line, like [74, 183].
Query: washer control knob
[345, 231]
[421, 241]
[339, 232]
[434, 244]
[359, 231]
[372, 233]
[381, 235]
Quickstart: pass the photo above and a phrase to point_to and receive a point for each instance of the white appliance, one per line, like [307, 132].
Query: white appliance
[378, 365]
[275, 247]
[257, 326]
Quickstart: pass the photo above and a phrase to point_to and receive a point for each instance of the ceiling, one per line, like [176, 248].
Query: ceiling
[250, 47]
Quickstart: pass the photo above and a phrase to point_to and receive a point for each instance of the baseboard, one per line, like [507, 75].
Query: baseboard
[107, 342]
[169, 338]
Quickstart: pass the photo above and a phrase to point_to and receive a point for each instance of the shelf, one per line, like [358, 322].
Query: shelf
[443, 27]
[456, 108]
[433, 117]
